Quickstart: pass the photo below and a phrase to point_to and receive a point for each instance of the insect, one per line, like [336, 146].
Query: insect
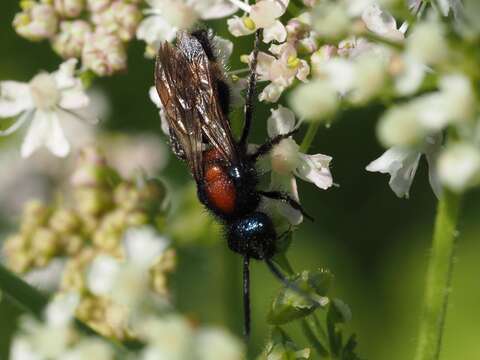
[195, 96]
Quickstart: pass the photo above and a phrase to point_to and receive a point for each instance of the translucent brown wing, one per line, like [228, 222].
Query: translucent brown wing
[187, 87]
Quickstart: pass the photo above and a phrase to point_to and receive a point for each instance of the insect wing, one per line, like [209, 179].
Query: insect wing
[175, 83]
[215, 124]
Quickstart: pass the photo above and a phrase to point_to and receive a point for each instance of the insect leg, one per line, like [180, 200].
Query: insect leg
[246, 296]
[251, 91]
[266, 147]
[278, 195]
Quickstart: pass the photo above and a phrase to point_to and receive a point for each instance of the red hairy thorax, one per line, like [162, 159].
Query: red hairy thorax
[219, 187]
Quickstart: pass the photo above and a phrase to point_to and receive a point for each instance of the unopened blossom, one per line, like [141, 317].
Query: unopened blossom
[69, 8]
[381, 23]
[459, 166]
[401, 162]
[36, 22]
[427, 43]
[46, 101]
[104, 54]
[97, 5]
[314, 101]
[264, 14]
[281, 70]
[70, 40]
[286, 161]
[331, 20]
[120, 19]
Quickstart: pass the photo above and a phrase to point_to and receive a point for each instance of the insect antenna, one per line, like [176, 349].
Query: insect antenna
[251, 91]
[246, 296]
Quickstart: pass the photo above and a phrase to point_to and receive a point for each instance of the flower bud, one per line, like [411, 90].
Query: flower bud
[314, 101]
[459, 166]
[119, 19]
[70, 40]
[97, 5]
[400, 126]
[36, 22]
[427, 43]
[104, 54]
[35, 214]
[64, 221]
[281, 346]
[296, 303]
[69, 8]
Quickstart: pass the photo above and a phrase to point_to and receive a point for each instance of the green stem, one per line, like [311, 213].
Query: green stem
[21, 293]
[438, 279]
[309, 136]
[33, 301]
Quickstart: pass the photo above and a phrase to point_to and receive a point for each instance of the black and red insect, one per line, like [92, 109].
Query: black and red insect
[194, 92]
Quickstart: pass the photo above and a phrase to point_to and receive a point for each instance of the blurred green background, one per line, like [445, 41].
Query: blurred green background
[375, 244]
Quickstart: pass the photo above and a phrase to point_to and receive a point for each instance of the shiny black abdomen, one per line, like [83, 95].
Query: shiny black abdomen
[252, 235]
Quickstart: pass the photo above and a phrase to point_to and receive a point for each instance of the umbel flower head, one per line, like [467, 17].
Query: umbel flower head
[46, 101]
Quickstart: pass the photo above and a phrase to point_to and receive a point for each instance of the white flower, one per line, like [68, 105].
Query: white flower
[47, 100]
[264, 14]
[459, 166]
[287, 161]
[402, 162]
[104, 53]
[127, 281]
[36, 22]
[70, 40]
[22, 349]
[281, 70]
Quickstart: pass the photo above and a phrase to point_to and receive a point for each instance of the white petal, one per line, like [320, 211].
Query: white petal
[56, 142]
[315, 168]
[264, 63]
[380, 22]
[223, 48]
[271, 93]
[410, 79]
[155, 29]
[101, 274]
[401, 163]
[432, 151]
[143, 245]
[281, 121]
[23, 349]
[286, 184]
[46, 278]
[265, 12]
[303, 70]
[219, 10]
[340, 73]
[14, 98]
[62, 309]
[74, 98]
[37, 133]
[153, 94]
[237, 27]
[22, 119]
[65, 75]
[276, 32]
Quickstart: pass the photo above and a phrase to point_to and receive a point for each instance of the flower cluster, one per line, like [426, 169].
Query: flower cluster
[56, 245]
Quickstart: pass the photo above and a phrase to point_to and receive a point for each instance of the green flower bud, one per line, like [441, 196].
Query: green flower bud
[64, 221]
[302, 300]
[93, 201]
[281, 347]
[35, 214]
